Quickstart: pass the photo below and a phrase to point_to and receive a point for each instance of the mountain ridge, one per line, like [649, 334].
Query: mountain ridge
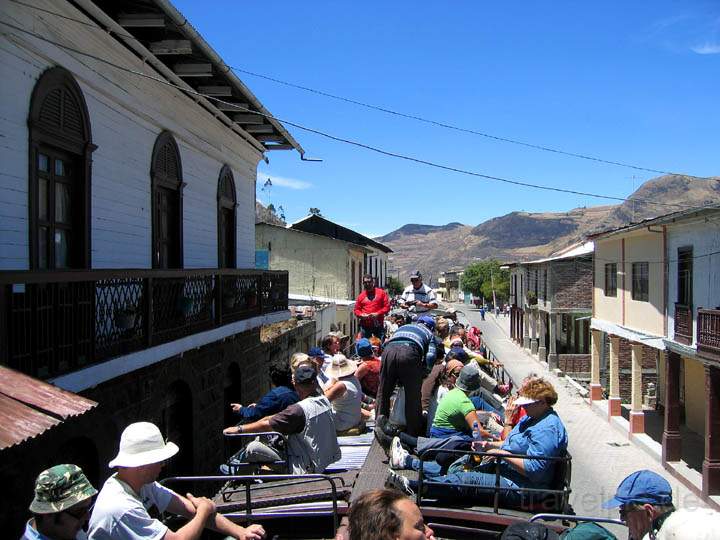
[518, 235]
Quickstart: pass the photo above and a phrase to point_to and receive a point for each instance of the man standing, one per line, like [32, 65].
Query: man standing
[121, 509]
[644, 500]
[309, 425]
[63, 498]
[404, 361]
[371, 307]
[418, 296]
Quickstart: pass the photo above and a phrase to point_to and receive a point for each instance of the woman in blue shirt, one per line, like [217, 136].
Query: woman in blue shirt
[540, 433]
[279, 398]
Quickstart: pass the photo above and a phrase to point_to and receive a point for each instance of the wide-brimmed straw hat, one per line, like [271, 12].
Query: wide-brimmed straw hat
[142, 444]
[340, 367]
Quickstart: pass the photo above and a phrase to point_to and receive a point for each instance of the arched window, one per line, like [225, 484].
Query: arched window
[167, 218]
[227, 204]
[59, 187]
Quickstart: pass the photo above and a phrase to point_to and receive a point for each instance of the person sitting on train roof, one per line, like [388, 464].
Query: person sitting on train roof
[368, 371]
[308, 424]
[386, 514]
[456, 344]
[540, 433]
[61, 506]
[278, 398]
[345, 393]
[122, 507]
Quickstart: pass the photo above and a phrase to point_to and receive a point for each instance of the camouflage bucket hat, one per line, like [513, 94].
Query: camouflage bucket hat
[60, 487]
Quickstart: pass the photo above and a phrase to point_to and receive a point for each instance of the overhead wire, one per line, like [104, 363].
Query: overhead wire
[345, 140]
[387, 110]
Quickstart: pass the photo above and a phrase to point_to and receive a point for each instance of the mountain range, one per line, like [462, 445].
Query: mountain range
[522, 236]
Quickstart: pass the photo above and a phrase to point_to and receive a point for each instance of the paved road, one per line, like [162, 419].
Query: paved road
[602, 457]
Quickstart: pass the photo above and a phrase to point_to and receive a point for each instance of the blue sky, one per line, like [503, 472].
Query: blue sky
[635, 82]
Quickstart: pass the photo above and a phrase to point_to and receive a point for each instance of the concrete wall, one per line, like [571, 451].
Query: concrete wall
[317, 265]
[695, 402]
[704, 237]
[638, 246]
[126, 113]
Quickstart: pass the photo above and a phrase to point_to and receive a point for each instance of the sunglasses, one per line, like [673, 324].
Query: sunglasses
[80, 512]
[627, 509]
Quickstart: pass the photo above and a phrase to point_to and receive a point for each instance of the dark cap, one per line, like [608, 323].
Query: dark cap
[315, 352]
[59, 488]
[641, 487]
[304, 374]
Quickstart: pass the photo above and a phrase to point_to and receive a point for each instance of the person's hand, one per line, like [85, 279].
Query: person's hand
[235, 407]
[231, 430]
[203, 505]
[252, 532]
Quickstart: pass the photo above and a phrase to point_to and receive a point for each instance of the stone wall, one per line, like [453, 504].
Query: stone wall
[574, 363]
[649, 369]
[572, 284]
[187, 395]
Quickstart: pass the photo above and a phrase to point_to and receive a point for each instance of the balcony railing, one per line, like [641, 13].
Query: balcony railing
[53, 323]
[683, 324]
[708, 333]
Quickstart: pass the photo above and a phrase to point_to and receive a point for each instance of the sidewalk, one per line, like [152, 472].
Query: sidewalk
[602, 457]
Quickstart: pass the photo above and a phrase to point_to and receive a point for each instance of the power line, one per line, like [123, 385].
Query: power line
[358, 144]
[386, 110]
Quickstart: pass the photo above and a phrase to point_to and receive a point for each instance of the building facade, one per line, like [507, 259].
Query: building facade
[127, 243]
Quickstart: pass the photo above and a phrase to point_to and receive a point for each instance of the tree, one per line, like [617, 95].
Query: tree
[394, 286]
[315, 211]
[480, 277]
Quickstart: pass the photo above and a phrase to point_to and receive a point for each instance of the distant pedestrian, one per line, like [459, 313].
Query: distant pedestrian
[482, 312]
[418, 297]
[371, 306]
[62, 503]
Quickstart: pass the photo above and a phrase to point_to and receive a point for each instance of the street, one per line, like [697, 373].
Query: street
[601, 456]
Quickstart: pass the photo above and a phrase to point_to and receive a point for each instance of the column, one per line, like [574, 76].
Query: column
[614, 399]
[526, 329]
[596, 390]
[671, 441]
[711, 463]
[637, 417]
[533, 331]
[552, 353]
[542, 350]
[512, 323]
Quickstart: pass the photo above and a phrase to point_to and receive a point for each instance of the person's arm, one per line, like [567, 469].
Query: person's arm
[384, 304]
[335, 391]
[471, 418]
[198, 509]
[190, 507]
[259, 426]
[357, 311]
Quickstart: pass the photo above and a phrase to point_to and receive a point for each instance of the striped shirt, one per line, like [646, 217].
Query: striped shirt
[422, 294]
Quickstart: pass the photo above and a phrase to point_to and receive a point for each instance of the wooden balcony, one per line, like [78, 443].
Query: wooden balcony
[708, 333]
[55, 322]
[683, 324]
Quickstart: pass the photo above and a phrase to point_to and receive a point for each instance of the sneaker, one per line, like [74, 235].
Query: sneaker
[399, 482]
[398, 454]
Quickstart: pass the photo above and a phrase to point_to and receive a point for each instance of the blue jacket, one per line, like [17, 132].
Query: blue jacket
[274, 401]
[421, 336]
[542, 436]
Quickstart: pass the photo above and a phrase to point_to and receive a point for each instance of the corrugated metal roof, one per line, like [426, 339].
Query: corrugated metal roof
[29, 407]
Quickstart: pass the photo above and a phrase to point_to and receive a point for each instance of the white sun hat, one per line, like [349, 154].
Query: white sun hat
[141, 444]
[340, 367]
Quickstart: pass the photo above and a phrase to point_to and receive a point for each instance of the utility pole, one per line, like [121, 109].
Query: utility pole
[492, 284]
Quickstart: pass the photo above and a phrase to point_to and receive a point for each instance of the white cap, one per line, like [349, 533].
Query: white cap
[141, 444]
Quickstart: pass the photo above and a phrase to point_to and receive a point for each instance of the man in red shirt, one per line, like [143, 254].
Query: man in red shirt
[371, 307]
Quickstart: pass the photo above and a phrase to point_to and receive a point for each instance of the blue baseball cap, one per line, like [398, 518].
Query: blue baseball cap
[363, 347]
[316, 351]
[427, 320]
[641, 487]
[460, 354]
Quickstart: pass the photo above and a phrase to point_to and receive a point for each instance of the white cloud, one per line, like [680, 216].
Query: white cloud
[282, 181]
[707, 48]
